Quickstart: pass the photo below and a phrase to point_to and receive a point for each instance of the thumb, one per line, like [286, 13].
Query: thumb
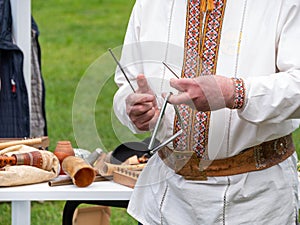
[142, 84]
[144, 87]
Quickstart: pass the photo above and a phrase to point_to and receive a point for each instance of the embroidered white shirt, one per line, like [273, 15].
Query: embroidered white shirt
[259, 43]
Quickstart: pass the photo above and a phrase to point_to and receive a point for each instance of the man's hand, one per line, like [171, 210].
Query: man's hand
[204, 93]
[141, 106]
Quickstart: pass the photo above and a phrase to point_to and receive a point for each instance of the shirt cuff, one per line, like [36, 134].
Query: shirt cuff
[240, 92]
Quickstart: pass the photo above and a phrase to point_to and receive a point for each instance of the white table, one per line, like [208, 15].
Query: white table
[21, 196]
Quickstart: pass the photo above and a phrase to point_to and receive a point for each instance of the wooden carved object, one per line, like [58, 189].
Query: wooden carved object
[126, 177]
[42, 142]
[30, 158]
[62, 150]
[82, 173]
[108, 168]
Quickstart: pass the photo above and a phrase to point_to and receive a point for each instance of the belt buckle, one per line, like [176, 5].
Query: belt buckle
[281, 145]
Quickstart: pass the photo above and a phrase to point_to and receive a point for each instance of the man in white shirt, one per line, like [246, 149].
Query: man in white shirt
[239, 62]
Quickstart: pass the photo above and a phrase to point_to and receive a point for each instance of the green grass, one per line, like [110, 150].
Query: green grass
[296, 138]
[74, 33]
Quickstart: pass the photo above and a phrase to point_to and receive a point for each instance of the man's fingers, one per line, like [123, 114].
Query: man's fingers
[180, 84]
[134, 99]
[142, 122]
[139, 109]
[182, 98]
[145, 117]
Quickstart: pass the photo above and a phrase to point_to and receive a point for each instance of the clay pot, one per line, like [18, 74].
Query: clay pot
[82, 173]
[63, 149]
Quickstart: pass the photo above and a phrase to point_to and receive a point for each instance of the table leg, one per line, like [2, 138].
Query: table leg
[20, 212]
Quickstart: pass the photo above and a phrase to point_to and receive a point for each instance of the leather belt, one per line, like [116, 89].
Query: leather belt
[263, 156]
